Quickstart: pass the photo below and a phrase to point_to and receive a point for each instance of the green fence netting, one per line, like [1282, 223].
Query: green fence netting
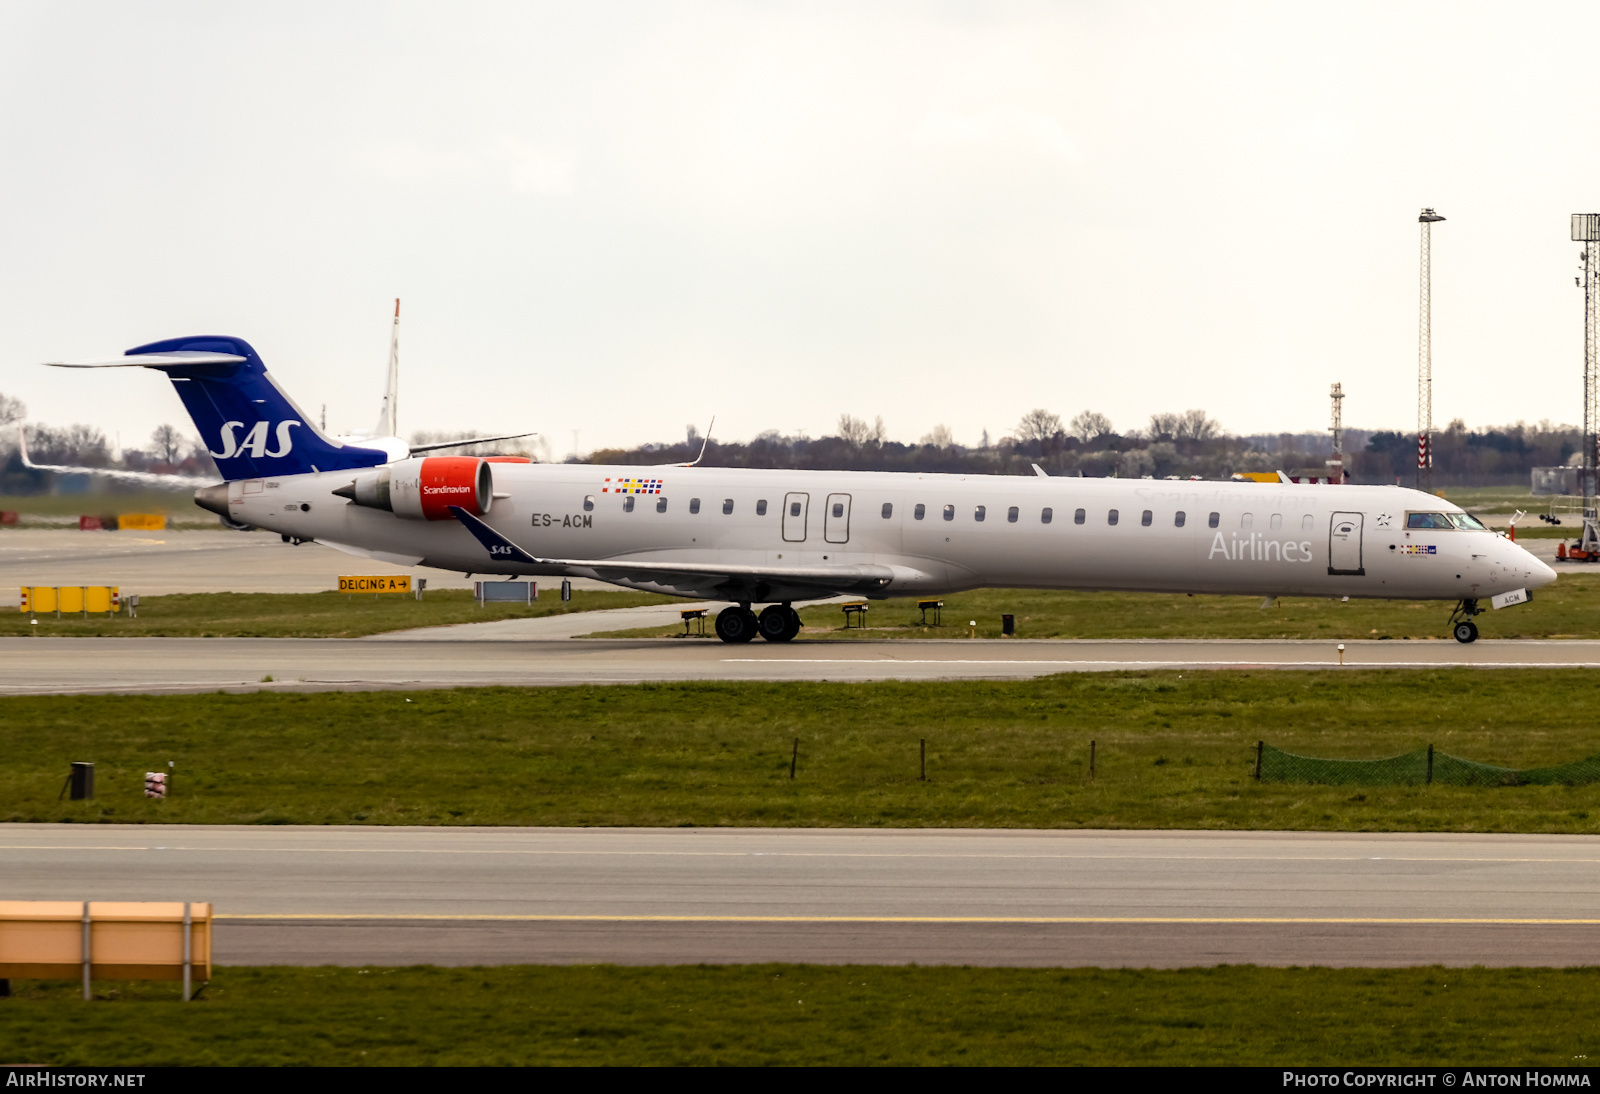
[1425, 765]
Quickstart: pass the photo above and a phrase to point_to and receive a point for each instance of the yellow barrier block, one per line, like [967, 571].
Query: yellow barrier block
[44, 599]
[376, 584]
[141, 522]
[43, 939]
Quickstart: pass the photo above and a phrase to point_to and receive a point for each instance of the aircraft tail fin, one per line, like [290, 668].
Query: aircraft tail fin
[250, 425]
[389, 416]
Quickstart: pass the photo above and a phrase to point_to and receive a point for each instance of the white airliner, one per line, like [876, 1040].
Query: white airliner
[760, 537]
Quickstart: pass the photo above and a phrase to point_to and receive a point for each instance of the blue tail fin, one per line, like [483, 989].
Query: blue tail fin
[250, 427]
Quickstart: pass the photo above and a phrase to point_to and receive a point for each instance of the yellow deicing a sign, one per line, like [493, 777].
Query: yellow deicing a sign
[378, 584]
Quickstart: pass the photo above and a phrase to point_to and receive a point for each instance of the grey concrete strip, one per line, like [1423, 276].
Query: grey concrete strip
[464, 895]
[141, 665]
[574, 625]
[1103, 945]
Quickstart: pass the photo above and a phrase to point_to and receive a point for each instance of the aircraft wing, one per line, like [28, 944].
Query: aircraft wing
[468, 440]
[695, 578]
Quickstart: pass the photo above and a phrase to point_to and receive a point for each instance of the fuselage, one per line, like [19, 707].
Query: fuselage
[936, 534]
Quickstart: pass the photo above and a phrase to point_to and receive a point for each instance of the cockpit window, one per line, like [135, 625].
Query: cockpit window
[1466, 521]
[1428, 520]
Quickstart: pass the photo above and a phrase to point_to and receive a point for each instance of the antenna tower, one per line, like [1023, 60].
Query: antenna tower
[1586, 230]
[1336, 465]
[1425, 356]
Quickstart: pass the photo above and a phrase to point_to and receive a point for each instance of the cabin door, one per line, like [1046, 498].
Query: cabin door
[794, 517]
[1344, 545]
[836, 522]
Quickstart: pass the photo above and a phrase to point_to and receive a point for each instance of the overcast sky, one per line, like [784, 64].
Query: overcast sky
[622, 218]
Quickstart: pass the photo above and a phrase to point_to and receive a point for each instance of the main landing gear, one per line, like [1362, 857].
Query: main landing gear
[777, 623]
[1461, 624]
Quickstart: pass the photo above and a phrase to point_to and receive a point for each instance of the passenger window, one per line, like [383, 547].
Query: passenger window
[1215, 519]
[588, 503]
[1011, 514]
[838, 510]
[1146, 518]
[627, 504]
[978, 512]
[1276, 522]
[1077, 516]
[794, 509]
[1111, 517]
[1305, 523]
[761, 507]
[1247, 520]
[727, 507]
[949, 512]
[888, 510]
[1178, 518]
[920, 511]
[1046, 515]
[694, 505]
[661, 505]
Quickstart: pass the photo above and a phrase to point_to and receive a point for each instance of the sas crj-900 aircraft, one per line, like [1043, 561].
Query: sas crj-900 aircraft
[768, 537]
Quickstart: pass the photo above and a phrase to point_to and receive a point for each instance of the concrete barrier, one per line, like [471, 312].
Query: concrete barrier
[116, 940]
[42, 599]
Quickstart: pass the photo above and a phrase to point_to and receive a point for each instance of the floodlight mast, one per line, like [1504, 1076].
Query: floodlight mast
[1586, 230]
[1336, 465]
[1427, 219]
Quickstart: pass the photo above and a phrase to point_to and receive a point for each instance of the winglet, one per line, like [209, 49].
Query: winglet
[499, 547]
[1037, 470]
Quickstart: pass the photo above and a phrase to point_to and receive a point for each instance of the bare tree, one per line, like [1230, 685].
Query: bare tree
[1195, 426]
[940, 436]
[168, 442]
[858, 433]
[1039, 424]
[1090, 425]
[1165, 426]
[11, 409]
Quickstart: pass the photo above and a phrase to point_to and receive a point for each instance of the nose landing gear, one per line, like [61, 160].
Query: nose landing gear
[1461, 624]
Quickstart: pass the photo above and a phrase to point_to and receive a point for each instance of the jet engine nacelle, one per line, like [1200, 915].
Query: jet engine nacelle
[425, 488]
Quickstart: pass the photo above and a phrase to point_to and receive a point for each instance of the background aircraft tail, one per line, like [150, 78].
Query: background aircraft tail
[250, 426]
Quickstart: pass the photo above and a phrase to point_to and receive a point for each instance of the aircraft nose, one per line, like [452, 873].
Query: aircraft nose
[1522, 560]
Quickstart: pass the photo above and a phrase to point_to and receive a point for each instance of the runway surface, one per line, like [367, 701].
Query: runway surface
[190, 561]
[359, 895]
[140, 665]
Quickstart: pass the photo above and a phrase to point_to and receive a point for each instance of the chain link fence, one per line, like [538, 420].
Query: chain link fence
[1419, 768]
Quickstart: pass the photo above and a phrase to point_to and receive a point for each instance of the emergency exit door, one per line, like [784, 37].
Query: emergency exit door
[1344, 545]
[795, 508]
[836, 521]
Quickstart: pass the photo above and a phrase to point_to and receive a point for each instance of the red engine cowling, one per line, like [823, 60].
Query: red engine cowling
[426, 487]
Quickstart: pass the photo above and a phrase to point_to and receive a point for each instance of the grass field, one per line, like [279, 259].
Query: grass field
[1175, 750]
[1568, 608]
[308, 615]
[809, 1014]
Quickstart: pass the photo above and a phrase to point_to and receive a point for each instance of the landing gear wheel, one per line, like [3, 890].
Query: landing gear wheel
[779, 623]
[736, 624]
[1466, 631]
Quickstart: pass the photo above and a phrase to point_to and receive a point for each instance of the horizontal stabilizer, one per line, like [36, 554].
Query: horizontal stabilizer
[144, 478]
[173, 359]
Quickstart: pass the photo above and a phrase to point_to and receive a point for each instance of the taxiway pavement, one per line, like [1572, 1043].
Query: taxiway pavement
[139, 665]
[367, 895]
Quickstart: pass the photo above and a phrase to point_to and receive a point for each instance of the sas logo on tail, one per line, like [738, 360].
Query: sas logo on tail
[254, 443]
